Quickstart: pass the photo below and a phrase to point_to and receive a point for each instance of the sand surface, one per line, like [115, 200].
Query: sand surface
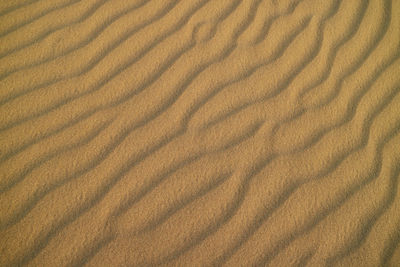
[199, 132]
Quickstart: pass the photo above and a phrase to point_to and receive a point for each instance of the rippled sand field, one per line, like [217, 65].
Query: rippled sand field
[199, 133]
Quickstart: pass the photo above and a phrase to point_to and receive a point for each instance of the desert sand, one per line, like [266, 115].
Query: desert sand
[199, 133]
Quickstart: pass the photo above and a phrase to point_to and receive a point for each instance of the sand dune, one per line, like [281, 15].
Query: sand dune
[199, 133]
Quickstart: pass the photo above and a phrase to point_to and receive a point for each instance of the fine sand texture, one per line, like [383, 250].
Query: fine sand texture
[200, 133]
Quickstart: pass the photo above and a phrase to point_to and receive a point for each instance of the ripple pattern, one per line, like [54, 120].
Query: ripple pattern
[199, 133]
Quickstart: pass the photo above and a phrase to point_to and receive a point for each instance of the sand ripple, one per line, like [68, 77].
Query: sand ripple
[199, 133]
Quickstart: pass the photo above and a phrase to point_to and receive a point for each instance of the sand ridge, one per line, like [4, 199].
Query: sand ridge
[199, 133]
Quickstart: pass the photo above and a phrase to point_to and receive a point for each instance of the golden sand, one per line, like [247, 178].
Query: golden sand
[199, 133]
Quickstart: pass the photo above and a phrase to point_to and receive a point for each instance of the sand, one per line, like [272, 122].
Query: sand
[199, 133]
